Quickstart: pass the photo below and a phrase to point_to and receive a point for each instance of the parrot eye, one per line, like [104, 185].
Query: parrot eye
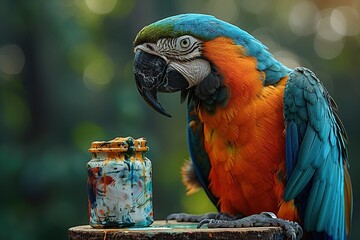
[185, 42]
[185, 47]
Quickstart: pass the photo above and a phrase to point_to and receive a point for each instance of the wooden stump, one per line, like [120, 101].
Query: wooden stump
[173, 230]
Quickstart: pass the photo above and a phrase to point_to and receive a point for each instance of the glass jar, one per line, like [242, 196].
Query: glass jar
[120, 184]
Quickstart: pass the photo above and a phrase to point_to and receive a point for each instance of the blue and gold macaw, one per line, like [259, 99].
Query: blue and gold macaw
[262, 137]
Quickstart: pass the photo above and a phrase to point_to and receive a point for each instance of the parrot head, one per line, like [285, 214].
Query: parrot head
[170, 57]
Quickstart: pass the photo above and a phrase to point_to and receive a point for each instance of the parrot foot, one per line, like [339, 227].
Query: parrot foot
[184, 217]
[264, 219]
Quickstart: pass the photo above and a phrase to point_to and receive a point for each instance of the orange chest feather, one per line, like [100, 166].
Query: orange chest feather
[245, 139]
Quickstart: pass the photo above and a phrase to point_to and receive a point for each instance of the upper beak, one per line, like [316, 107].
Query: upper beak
[152, 74]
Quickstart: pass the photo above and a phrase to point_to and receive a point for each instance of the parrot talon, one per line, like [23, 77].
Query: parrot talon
[269, 214]
[203, 222]
[265, 219]
[184, 217]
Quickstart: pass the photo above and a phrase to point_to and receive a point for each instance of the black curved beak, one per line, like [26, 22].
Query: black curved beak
[152, 75]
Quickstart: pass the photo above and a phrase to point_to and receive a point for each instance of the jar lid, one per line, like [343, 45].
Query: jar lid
[120, 144]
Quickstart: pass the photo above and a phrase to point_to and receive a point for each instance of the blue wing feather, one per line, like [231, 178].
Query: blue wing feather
[198, 155]
[292, 144]
[315, 155]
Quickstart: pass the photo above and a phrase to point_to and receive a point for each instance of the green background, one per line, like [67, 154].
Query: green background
[66, 80]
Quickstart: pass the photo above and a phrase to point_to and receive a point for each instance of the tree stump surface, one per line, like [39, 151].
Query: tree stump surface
[173, 230]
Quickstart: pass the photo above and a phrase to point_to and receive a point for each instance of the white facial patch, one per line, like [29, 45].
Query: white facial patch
[183, 54]
[194, 71]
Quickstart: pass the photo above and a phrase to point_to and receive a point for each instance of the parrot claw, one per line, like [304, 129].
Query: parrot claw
[265, 219]
[184, 217]
[205, 221]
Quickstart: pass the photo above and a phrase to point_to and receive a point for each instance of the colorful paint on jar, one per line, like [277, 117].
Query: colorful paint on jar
[120, 184]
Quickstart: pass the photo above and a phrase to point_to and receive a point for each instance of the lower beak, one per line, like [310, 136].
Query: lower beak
[152, 75]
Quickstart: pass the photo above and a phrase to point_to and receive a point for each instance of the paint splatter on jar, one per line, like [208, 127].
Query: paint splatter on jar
[119, 184]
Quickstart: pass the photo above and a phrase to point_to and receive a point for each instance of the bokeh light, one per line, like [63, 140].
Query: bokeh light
[101, 6]
[98, 73]
[327, 49]
[345, 20]
[302, 18]
[12, 59]
[327, 26]
[338, 22]
[324, 26]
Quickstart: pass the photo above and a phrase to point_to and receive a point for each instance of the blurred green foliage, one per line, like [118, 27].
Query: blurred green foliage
[66, 80]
